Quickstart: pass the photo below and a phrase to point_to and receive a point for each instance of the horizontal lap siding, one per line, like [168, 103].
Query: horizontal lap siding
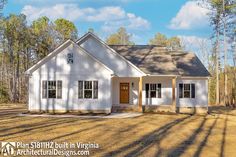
[201, 93]
[166, 90]
[112, 60]
[70, 99]
[83, 68]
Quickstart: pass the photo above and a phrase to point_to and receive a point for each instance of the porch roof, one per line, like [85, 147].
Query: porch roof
[157, 60]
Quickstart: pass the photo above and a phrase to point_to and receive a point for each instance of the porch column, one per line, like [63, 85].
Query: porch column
[140, 94]
[173, 94]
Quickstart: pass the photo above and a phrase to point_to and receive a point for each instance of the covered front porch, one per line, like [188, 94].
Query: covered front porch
[146, 93]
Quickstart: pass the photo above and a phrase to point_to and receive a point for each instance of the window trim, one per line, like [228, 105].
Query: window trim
[92, 89]
[187, 89]
[52, 83]
[148, 93]
[153, 89]
[191, 95]
[88, 89]
[47, 89]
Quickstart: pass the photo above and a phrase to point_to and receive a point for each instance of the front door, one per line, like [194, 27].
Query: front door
[124, 93]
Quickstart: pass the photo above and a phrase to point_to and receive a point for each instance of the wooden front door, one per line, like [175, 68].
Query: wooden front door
[124, 93]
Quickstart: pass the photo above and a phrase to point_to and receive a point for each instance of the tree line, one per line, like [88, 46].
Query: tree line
[122, 37]
[22, 46]
[222, 19]
[222, 85]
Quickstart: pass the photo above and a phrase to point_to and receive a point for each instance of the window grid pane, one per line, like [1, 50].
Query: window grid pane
[52, 85]
[87, 94]
[187, 87]
[186, 94]
[51, 89]
[87, 84]
[153, 94]
[153, 89]
[88, 90]
[186, 90]
[70, 58]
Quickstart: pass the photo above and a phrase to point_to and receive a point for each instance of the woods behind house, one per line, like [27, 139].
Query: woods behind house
[22, 46]
[24, 43]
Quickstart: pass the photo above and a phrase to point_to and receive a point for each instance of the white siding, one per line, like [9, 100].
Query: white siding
[201, 93]
[86, 67]
[83, 68]
[112, 60]
[166, 89]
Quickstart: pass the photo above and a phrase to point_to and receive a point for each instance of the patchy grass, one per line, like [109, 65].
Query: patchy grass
[147, 135]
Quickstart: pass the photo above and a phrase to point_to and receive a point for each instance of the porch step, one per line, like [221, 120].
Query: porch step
[124, 108]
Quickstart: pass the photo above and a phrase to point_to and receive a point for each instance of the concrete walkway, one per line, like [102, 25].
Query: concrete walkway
[112, 115]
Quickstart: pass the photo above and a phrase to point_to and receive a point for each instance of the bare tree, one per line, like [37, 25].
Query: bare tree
[225, 56]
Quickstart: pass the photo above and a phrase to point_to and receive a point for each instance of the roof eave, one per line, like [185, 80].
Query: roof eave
[163, 75]
[195, 76]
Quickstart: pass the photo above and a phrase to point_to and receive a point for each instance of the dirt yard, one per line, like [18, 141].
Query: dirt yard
[148, 135]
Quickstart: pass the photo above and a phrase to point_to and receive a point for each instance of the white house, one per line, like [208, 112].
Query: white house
[91, 76]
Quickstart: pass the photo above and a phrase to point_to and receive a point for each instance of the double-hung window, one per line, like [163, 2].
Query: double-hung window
[87, 89]
[52, 89]
[153, 90]
[186, 90]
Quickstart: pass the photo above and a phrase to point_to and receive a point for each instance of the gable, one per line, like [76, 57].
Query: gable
[109, 57]
[48, 57]
[83, 63]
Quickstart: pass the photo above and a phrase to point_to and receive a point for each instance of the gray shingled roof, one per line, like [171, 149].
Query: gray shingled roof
[156, 60]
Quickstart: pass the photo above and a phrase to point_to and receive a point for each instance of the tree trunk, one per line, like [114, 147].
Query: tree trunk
[17, 83]
[217, 68]
[1, 81]
[225, 59]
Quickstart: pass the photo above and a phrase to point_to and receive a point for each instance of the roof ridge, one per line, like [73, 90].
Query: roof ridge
[137, 45]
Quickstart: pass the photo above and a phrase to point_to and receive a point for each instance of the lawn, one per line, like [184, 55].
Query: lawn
[148, 135]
